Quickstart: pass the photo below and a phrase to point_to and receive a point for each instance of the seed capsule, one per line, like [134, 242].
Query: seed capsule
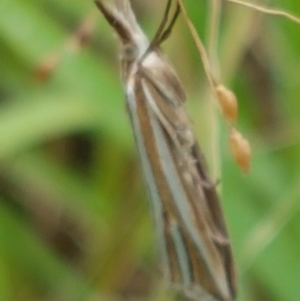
[228, 102]
[240, 149]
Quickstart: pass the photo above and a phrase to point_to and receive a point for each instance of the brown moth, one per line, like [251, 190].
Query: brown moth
[191, 232]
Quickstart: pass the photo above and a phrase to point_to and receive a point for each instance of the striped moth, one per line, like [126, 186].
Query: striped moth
[191, 230]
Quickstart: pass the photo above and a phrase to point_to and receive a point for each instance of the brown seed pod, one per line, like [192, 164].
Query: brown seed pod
[228, 103]
[45, 69]
[240, 149]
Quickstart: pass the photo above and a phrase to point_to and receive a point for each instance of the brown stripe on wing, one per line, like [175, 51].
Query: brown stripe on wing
[201, 219]
[161, 73]
[220, 229]
[157, 170]
[169, 110]
[201, 281]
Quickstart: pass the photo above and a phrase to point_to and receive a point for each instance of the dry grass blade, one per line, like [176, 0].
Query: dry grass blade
[200, 46]
[269, 11]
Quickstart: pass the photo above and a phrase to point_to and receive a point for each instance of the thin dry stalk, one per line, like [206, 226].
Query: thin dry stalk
[268, 11]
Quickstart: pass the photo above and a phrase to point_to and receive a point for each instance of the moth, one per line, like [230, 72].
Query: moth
[190, 228]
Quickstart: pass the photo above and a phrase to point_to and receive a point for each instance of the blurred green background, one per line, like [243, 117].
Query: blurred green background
[74, 216]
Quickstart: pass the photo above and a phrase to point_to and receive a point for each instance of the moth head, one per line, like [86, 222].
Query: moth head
[122, 19]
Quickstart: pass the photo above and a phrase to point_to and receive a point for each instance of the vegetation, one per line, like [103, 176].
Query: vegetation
[74, 217]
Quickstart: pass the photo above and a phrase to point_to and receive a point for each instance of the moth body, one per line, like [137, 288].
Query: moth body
[190, 227]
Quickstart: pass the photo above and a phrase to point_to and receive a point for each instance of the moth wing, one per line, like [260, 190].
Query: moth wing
[157, 69]
[201, 243]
